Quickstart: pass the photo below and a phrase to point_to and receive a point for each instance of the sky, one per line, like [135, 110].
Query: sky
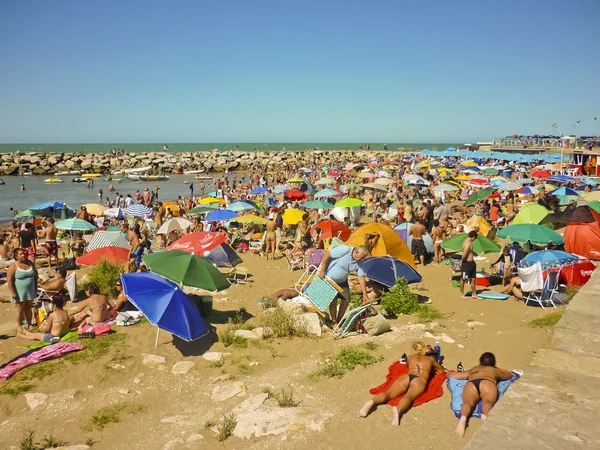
[296, 71]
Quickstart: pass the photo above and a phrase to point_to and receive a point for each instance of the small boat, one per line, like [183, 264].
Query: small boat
[26, 174]
[153, 177]
[118, 180]
[177, 172]
[67, 172]
[128, 171]
[91, 175]
[203, 178]
[80, 180]
[192, 172]
[2, 182]
[133, 177]
[54, 180]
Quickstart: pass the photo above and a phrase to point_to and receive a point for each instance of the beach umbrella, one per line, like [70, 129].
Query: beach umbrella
[463, 178]
[444, 172]
[324, 181]
[259, 190]
[525, 181]
[367, 175]
[200, 210]
[403, 230]
[471, 170]
[186, 269]
[102, 239]
[317, 204]
[164, 304]
[549, 259]
[306, 169]
[497, 183]
[324, 193]
[221, 214]
[386, 270]
[547, 187]
[242, 206]
[560, 178]
[478, 196]
[74, 225]
[410, 176]
[280, 189]
[504, 180]
[530, 212]
[250, 218]
[174, 224]
[292, 216]
[540, 173]
[595, 205]
[117, 213]
[592, 196]
[138, 210]
[418, 181]
[198, 242]
[478, 183]
[26, 215]
[349, 203]
[95, 209]
[333, 228]
[211, 200]
[480, 245]
[529, 190]
[565, 192]
[384, 240]
[536, 234]
[114, 255]
[490, 171]
[223, 256]
[349, 186]
[295, 180]
[509, 186]
[469, 164]
[444, 187]
[376, 187]
[295, 195]
[383, 181]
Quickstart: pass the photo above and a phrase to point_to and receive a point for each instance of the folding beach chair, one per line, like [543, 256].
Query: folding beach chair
[314, 257]
[352, 321]
[319, 291]
[295, 262]
[533, 284]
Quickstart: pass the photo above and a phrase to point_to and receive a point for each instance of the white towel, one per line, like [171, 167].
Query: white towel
[531, 278]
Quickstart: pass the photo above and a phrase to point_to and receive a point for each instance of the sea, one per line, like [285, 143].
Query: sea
[75, 194]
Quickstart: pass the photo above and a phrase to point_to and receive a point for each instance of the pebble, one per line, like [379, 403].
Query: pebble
[182, 367]
[153, 360]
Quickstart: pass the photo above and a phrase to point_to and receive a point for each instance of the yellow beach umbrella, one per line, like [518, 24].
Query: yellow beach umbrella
[498, 179]
[251, 218]
[453, 183]
[292, 216]
[550, 187]
[173, 208]
[463, 178]
[211, 200]
[95, 209]
[470, 164]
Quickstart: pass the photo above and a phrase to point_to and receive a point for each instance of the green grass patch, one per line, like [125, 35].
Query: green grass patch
[347, 359]
[15, 391]
[226, 426]
[428, 313]
[111, 414]
[96, 348]
[283, 323]
[39, 371]
[217, 363]
[228, 338]
[283, 397]
[547, 321]
[28, 442]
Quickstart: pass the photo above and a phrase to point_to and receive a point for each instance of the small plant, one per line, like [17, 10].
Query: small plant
[400, 299]
[244, 367]
[547, 321]
[240, 316]
[283, 323]
[284, 398]
[50, 442]
[428, 313]
[226, 426]
[370, 345]
[90, 442]
[16, 390]
[105, 275]
[28, 442]
[356, 300]
[228, 338]
[217, 363]
[346, 360]
[111, 414]
[209, 423]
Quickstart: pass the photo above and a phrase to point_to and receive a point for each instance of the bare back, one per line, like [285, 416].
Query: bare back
[421, 366]
[467, 248]
[489, 373]
[50, 232]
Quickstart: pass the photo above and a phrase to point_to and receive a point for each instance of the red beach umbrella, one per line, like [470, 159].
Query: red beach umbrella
[198, 242]
[114, 255]
[540, 173]
[333, 228]
[295, 195]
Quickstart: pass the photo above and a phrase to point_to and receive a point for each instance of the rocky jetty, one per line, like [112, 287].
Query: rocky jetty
[162, 162]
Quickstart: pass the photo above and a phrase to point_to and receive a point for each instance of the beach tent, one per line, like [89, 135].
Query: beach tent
[223, 256]
[482, 226]
[388, 242]
[582, 235]
[530, 213]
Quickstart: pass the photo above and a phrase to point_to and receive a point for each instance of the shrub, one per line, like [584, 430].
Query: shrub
[356, 299]
[427, 313]
[346, 360]
[111, 414]
[226, 426]
[228, 338]
[399, 299]
[283, 323]
[547, 321]
[105, 275]
[284, 398]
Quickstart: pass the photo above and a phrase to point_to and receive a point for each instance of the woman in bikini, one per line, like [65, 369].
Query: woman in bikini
[411, 385]
[481, 385]
[97, 307]
[54, 327]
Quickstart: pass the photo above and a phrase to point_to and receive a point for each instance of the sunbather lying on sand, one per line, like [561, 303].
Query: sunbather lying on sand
[411, 385]
[55, 326]
[482, 385]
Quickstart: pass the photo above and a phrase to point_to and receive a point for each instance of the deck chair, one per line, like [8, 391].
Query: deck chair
[351, 323]
[532, 283]
[71, 286]
[255, 246]
[314, 257]
[319, 291]
[238, 275]
[550, 293]
[294, 263]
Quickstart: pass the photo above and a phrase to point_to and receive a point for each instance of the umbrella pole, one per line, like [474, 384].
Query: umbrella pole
[157, 333]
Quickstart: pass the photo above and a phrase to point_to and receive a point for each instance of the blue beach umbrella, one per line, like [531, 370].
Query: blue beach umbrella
[387, 269]
[164, 304]
[221, 214]
[530, 190]
[280, 189]
[74, 225]
[259, 190]
[242, 206]
[497, 183]
[138, 210]
[549, 259]
[525, 181]
[560, 178]
[324, 193]
[565, 191]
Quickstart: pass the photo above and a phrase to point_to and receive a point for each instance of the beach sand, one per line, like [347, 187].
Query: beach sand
[168, 411]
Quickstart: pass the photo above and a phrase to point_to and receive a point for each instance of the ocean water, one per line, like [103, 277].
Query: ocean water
[205, 147]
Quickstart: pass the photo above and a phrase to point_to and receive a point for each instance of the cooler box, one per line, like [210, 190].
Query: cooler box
[483, 279]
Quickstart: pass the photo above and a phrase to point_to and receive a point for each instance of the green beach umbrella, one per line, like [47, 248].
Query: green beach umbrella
[490, 171]
[26, 215]
[317, 204]
[200, 210]
[352, 186]
[480, 245]
[74, 225]
[186, 269]
[595, 206]
[349, 203]
[530, 213]
[478, 196]
[536, 234]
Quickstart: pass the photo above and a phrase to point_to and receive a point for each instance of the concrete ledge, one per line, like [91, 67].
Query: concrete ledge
[556, 403]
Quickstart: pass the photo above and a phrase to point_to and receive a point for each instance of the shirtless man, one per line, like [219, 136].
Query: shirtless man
[418, 246]
[56, 284]
[482, 385]
[411, 385]
[271, 237]
[469, 267]
[55, 326]
[50, 246]
[134, 242]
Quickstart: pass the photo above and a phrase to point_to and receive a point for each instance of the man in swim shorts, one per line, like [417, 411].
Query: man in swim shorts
[50, 246]
[469, 267]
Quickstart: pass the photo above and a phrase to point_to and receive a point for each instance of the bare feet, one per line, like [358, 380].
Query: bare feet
[483, 417]
[364, 411]
[395, 416]
[474, 297]
[464, 297]
[462, 425]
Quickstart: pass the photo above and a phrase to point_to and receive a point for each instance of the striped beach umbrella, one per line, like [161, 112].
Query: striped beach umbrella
[74, 225]
[102, 239]
[138, 210]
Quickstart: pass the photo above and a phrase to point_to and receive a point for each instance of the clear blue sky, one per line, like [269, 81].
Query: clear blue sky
[296, 71]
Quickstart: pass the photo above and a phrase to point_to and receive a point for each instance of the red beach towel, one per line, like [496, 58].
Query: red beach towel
[434, 390]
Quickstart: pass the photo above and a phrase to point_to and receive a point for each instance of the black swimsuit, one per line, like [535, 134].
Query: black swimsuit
[478, 381]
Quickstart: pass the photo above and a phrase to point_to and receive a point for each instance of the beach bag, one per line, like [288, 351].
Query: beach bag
[376, 325]
[69, 264]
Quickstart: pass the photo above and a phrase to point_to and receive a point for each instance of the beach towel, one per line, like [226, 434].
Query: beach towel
[531, 278]
[35, 356]
[99, 330]
[456, 389]
[66, 337]
[434, 388]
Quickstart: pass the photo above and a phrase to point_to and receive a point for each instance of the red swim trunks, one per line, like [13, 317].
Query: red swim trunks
[51, 248]
[29, 253]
